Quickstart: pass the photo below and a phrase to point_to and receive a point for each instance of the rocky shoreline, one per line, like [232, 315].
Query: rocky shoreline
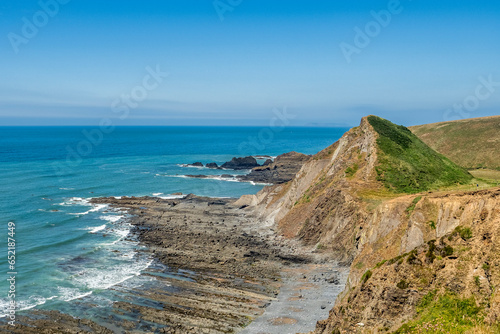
[218, 268]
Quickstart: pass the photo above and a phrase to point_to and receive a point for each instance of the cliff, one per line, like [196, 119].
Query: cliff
[380, 194]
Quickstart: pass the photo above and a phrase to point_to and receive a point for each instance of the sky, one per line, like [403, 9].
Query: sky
[241, 62]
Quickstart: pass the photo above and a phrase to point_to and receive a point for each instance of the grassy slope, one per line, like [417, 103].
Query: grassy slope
[408, 165]
[471, 143]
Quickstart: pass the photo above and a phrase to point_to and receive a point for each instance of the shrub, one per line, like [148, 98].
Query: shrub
[430, 256]
[403, 284]
[412, 258]
[366, 276]
[464, 232]
[432, 224]
[380, 264]
[350, 171]
[447, 251]
[477, 281]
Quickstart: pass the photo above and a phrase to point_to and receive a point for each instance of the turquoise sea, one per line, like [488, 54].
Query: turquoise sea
[66, 248]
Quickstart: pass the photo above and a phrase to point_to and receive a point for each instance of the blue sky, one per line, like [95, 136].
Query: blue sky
[233, 62]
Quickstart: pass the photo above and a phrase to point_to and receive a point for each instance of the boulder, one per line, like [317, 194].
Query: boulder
[212, 165]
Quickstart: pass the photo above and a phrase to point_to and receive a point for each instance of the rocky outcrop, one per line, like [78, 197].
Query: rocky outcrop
[196, 164]
[241, 163]
[282, 170]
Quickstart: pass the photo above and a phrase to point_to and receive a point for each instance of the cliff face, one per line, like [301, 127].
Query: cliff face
[446, 245]
[343, 202]
[320, 205]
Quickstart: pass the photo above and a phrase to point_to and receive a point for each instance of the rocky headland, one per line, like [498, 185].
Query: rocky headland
[421, 242]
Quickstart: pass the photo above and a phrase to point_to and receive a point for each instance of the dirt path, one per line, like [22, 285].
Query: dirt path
[305, 297]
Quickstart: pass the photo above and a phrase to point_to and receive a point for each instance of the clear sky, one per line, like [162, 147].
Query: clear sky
[232, 62]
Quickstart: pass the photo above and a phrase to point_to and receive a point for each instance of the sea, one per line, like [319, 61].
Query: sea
[66, 249]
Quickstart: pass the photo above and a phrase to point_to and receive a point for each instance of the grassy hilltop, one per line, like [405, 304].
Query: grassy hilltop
[408, 165]
[470, 143]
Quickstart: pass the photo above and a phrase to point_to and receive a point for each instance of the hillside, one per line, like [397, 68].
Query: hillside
[356, 201]
[406, 164]
[471, 143]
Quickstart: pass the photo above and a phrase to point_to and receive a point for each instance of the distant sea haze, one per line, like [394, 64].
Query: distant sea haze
[67, 248]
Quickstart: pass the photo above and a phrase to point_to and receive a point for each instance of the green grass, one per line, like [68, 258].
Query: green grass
[350, 171]
[366, 276]
[432, 224]
[470, 143]
[444, 314]
[412, 206]
[408, 165]
[464, 232]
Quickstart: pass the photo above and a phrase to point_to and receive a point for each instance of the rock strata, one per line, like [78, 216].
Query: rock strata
[282, 170]
[241, 163]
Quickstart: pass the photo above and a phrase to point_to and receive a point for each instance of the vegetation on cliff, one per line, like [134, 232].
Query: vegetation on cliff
[408, 165]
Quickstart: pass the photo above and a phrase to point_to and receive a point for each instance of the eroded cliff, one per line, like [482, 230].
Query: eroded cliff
[380, 194]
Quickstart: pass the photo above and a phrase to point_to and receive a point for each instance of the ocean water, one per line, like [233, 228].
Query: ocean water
[67, 249]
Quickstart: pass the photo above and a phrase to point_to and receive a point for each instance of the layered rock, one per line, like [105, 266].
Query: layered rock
[281, 170]
[241, 163]
[344, 201]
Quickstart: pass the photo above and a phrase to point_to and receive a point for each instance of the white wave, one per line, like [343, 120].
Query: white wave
[258, 183]
[22, 305]
[76, 201]
[112, 219]
[118, 197]
[97, 229]
[66, 188]
[189, 166]
[69, 294]
[104, 279]
[122, 234]
[172, 196]
[179, 176]
[157, 194]
[96, 207]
